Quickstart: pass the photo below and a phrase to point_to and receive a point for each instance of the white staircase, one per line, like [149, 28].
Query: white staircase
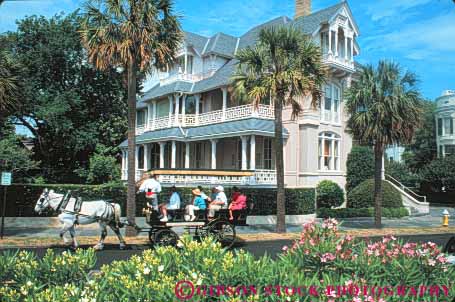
[415, 203]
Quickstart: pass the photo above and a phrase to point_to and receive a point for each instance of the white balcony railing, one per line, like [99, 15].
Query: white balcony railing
[260, 178]
[208, 118]
[339, 60]
[187, 77]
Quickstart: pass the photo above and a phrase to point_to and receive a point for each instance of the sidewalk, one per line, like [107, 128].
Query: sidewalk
[33, 233]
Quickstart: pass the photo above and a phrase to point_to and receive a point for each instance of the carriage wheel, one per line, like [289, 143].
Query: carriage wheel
[223, 231]
[165, 237]
[151, 237]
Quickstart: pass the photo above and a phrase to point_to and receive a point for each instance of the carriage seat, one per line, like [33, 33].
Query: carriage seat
[176, 215]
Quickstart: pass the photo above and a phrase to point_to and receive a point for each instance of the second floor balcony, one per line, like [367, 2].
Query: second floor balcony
[207, 118]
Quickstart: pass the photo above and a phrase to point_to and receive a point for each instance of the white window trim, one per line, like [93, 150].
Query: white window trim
[322, 137]
[332, 121]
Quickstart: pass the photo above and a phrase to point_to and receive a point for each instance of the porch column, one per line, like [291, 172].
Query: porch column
[154, 115]
[149, 116]
[173, 154]
[330, 41]
[162, 148]
[183, 109]
[253, 152]
[224, 90]
[123, 160]
[336, 43]
[187, 155]
[345, 47]
[177, 108]
[136, 164]
[146, 157]
[244, 153]
[352, 48]
[383, 168]
[170, 110]
[198, 99]
[186, 60]
[213, 141]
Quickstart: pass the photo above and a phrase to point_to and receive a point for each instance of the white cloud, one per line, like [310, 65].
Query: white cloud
[431, 39]
[383, 9]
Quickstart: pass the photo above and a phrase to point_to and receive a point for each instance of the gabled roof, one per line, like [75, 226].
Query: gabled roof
[221, 44]
[196, 41]
[227, 45]
[309, 24]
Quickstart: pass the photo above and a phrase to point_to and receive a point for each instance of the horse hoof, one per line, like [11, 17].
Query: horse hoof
[122, 246]
[98, 247]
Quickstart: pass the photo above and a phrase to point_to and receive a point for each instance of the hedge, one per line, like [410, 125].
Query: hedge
[359, 166]
[329, 194]
[361, 212]
[22, 198]
[363, 196]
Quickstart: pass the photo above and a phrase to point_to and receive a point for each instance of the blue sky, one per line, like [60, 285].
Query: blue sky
[419, 34]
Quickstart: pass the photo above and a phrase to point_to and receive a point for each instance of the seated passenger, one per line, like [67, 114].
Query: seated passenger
[220, 202]
[237, 204]
[173, 204]
[198, 203]
[203, 195]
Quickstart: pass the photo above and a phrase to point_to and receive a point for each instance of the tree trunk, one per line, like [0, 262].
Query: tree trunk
[131, 195]
[278, 145]
[378, 154]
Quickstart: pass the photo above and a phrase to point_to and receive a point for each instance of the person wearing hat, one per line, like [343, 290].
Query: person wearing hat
[198, 203]
[152, 188]
[220, 202]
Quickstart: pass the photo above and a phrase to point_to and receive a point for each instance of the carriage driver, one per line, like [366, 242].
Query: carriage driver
[151, 187]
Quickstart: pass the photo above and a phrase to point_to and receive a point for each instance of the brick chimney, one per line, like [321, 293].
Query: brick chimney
[302, 8]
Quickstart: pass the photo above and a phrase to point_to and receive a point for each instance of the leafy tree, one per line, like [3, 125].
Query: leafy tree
[67, 105]
[10, 83]
[135, 35]
[103, 167]
[440, 173]
[423, 149]
[286, 66]
[359, 166]
[14, 156]
[384, 108]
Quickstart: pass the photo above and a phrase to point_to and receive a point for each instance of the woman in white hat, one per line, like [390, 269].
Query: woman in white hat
[197, 204]
[219, 203]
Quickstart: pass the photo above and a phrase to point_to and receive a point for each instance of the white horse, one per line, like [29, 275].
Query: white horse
[103, 212]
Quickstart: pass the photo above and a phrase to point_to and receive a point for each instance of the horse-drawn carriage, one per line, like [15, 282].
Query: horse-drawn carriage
[220, 227]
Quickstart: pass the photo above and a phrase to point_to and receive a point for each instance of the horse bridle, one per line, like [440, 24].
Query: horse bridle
[43, 202]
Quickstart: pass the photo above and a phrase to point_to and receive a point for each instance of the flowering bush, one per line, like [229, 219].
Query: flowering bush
[321, 259]
[323, 252]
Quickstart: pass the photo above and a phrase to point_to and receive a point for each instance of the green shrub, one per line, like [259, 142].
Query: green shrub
[440, 173]
[400, 172]
[359, 166]
[363, 196]
[361, 212]
[329, 194]
[23, 198]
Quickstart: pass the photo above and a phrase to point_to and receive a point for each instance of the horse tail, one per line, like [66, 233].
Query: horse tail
[117, 212]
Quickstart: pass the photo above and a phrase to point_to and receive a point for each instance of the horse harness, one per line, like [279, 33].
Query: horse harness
[109, 210]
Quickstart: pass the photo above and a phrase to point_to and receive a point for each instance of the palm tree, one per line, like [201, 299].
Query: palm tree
[385, 109]
[286, 67]
[9, 83]
[138, 36]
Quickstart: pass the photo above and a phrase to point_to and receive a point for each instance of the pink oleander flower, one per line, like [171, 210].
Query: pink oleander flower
[442, 259]
[327, 257]
[284, 248]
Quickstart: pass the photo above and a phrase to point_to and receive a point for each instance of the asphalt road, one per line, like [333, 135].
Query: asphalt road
[258, 248]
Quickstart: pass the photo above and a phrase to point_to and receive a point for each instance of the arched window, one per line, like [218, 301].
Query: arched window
[330, 106]
[329, 152]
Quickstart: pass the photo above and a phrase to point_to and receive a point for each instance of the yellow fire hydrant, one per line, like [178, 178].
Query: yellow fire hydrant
[445, 218]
